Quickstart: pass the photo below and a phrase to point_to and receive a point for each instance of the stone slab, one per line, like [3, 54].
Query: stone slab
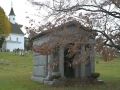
[38, 79]
[40, 60]
[39, 71]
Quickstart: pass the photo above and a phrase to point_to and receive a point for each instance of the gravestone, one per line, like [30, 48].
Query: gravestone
[21, 52]
[15, 52]
[2, 61]
[7, 62]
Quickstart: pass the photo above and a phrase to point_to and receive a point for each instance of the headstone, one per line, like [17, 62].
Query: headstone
[15, 51]
[7, 62]
[23, 52]
[2, 61]
[20, 52]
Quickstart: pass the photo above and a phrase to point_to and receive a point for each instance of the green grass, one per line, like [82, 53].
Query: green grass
[16, 75]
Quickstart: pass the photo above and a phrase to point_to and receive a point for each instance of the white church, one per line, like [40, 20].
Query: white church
[15, 39]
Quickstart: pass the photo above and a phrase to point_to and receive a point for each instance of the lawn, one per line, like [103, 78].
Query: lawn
[16, 75]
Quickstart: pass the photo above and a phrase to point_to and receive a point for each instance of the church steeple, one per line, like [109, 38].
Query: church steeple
[12, 15]
[12, 12]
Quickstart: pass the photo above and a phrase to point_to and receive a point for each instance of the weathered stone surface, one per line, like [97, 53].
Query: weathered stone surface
[41, 40]
[39, 71]
[55, 83]
[35, 54]
[92, 41]
[40, 60]
[36, 61]
[38, 79]
[7, 62]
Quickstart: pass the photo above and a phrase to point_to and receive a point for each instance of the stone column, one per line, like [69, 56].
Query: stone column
[82, 75]
[61, 63]
[77, 71]
[50, 59]
[92, 59]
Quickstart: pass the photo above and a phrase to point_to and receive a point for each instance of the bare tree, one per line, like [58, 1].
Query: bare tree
[99, 16]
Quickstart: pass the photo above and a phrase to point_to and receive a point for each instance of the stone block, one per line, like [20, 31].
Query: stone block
[39, 71]
[38, 79]
[36, 61]
[35, 54]
[55, 83]
[42, 60]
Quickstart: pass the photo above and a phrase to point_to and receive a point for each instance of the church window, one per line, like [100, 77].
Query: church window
[13, 18]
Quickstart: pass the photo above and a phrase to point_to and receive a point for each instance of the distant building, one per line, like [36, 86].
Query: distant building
[15, 39]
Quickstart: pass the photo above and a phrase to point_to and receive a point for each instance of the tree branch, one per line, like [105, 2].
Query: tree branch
[85, 7]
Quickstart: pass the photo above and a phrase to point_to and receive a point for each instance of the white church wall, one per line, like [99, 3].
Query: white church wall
[15, 41]
[11, 46]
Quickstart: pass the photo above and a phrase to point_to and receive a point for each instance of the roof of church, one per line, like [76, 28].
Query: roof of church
[15, 28]
[11, 11]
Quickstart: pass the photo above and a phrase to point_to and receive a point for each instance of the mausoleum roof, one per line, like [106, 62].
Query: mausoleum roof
[59, 28]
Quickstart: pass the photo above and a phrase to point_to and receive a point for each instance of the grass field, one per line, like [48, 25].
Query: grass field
[16, 75]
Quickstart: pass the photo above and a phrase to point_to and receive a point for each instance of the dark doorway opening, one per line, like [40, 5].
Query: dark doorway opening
[68, 69]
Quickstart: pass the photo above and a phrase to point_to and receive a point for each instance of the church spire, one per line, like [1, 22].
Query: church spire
[12, 14]
[11, 4]
[11, 11]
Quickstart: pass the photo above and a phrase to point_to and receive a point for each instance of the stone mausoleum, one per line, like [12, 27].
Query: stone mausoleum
[78, 75]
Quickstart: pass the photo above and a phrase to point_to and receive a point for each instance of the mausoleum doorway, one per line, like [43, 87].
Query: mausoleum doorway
[68, 69]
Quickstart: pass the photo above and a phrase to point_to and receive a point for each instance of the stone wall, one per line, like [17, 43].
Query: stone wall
[39, 62]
